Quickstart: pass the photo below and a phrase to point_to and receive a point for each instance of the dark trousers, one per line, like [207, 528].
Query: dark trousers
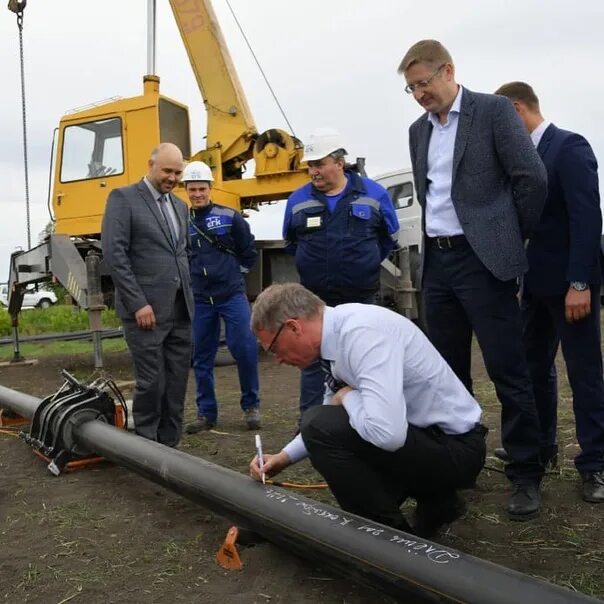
[312, 378]
[373, 482]
[544, 329]
[161, 358]
[235, 312]
[461, 296]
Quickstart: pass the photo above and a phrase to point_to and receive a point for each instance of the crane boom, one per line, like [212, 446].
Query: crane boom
[230, 124]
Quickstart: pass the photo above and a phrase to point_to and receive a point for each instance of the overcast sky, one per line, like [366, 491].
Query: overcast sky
[332, 63]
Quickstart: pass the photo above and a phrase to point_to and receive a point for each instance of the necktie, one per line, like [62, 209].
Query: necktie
[164, 200]
[333, 383]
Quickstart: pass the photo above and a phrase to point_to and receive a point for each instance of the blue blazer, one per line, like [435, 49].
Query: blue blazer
[565, 246]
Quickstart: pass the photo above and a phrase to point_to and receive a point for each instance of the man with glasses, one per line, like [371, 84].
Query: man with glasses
[395, 423]
[482, 187]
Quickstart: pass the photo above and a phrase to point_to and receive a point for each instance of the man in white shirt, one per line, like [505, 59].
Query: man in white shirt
[395, 421]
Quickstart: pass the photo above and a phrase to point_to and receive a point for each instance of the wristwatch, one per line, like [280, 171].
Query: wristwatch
[579, 286]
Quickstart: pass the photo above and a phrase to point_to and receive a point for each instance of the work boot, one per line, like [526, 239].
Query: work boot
[199, 425]
[252, 418]
[593, 487]
[525, 501]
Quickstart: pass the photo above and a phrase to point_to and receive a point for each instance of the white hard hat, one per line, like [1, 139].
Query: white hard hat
[321, 143]
[197, 171]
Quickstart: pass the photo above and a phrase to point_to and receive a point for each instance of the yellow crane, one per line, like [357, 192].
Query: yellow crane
[107, 145]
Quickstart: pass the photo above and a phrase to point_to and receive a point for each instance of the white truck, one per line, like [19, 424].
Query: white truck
[32, 298]
[399, 286]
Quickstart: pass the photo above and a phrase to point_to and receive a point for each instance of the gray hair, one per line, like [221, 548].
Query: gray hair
[338, 154]
[283, 301]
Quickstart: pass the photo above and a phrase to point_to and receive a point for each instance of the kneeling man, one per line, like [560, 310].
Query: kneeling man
[395, 421]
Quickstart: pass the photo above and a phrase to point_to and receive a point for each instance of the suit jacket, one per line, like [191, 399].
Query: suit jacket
[145, 265]
[566, 244]
[499, 183]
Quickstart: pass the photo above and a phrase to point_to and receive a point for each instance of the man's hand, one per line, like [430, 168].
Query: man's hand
[145, 317]
[273, 464]
[577, 305]
[338, 397]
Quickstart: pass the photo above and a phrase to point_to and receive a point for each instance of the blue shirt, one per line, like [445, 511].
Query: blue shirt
[441, 217]
[397, 375]
[332, 200]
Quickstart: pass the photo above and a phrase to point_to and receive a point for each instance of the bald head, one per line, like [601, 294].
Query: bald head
[165, 167]
[166, 150]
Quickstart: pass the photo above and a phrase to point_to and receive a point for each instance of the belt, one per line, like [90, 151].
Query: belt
[478, 428]
[446, 242]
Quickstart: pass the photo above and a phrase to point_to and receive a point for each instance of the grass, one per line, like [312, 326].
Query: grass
[49, 349]
[587, 583]
[74, 564]
[56, 319]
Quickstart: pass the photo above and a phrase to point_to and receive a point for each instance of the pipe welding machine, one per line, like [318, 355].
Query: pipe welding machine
[51, 433]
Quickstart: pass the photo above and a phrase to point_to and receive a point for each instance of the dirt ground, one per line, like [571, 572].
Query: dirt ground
[107, 535]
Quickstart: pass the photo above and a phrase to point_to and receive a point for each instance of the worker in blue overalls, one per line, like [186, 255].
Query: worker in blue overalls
[340, 226]
[223, 250]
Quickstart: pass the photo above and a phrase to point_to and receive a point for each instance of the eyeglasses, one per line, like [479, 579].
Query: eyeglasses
[411, 88]
[274, 340]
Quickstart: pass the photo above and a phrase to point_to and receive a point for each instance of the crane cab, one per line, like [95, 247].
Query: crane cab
[107, 146]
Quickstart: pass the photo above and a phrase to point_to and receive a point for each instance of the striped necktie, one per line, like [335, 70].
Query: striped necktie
[333, 383]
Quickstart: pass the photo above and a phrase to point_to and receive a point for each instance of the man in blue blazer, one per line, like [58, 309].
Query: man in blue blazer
[561, 292]
[482, 187]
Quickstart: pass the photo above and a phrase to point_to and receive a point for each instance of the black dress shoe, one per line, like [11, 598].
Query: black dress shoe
[593, 487]
[501, 453]
[430, 517]
[525, 502]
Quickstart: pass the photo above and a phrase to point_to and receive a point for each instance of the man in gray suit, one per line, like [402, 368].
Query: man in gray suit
[146, 248]
[482, 187]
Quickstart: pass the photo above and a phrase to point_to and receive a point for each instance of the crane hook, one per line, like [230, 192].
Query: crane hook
[17, 6]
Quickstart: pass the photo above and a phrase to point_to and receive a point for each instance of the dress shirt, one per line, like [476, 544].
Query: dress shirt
[169, 206]
[397, 375]
[537, 133]
[441, 218]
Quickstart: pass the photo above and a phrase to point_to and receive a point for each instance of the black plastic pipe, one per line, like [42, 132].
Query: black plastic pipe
[390, 560]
